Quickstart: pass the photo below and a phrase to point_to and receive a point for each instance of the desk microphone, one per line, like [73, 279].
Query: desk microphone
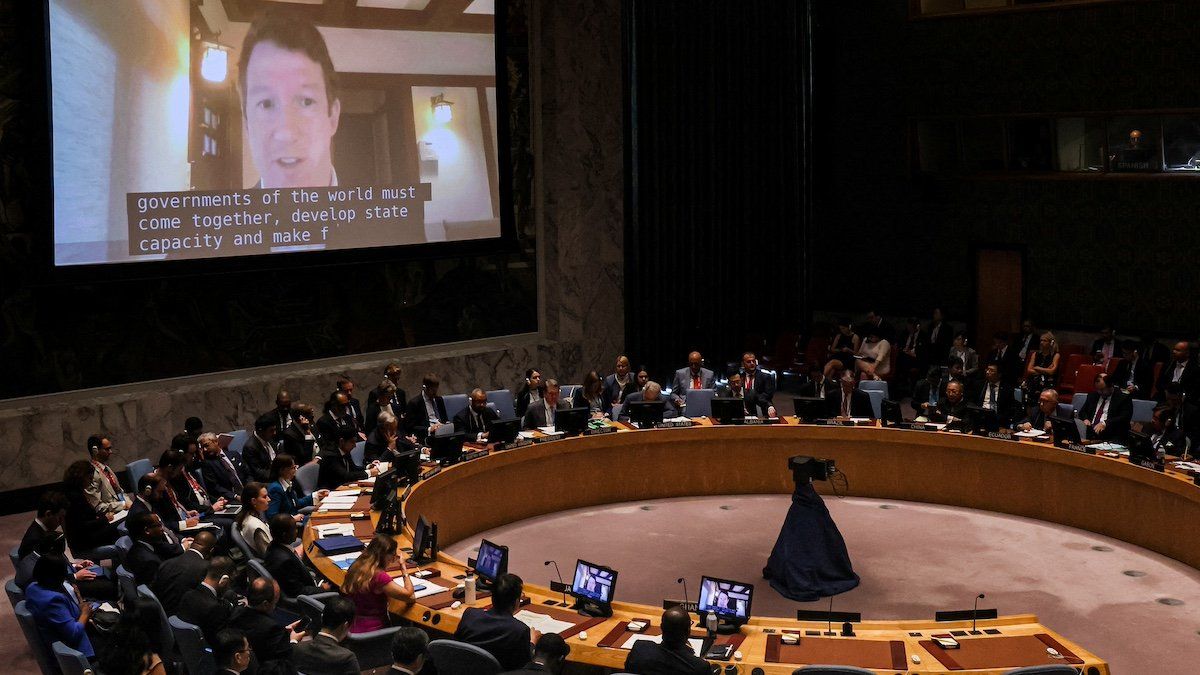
[975, 613]
[683, 580]
[560, 581]
[829, 618]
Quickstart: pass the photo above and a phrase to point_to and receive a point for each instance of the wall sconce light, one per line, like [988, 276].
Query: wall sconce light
[214, 65]
[441, 108]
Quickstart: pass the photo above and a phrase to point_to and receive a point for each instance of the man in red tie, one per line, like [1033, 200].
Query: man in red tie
[1107, 412]
[694, 376]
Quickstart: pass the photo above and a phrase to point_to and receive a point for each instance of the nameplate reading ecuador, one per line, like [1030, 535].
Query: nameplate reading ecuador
[215, 223]
[599, 430]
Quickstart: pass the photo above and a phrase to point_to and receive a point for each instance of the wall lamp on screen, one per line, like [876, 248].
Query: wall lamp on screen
[442, 112]
[214, 64]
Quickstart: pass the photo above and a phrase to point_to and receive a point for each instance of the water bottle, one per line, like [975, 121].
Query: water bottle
[469, 587]
[711, 623]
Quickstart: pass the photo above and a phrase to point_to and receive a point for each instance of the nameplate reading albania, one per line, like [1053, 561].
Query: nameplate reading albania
[205, 224]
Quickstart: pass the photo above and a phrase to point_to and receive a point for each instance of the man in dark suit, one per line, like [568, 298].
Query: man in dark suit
[426, 411]
[206, 606]
[1134, 375]
[673, 656]
[337, 467]
[938, 338]
[952, 408]
[151, 546]
[1152, 351]
[410, 650]
[188, 483]
[885, 330]
[1177, 421]
[694, 376]
[259, 450]
[825, 381]
[324, 654]
[1182, 370]
[476, 419]
[221, 473]
[392, 372]
[353, 409]
[381, 401]
[1004, 356]
[496, 630]
[849, 401]
[44, 530]
[621, 383]
[549, 655]
[651, 392]
[298, 440]
[1107, 411]
[759, 386]
[1025, 342]
[1105, 347]
[283, 410]
[333, 420]
[284, 565]
[541, 413]
[1039, 419]
[182, 573]
[995, 394]
[911, 348]
[272, 643]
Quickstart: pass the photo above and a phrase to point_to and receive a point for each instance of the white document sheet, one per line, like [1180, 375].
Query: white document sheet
[542, 622]
[696, 643]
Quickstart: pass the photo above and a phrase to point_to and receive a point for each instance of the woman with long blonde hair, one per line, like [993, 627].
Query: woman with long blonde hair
[370, 586]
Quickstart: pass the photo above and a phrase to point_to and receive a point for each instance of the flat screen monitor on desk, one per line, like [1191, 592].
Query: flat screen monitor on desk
[1066, 430]
[571, 421]
[725, 409]
[810, 408]
[491, 562]
[645, 414]
[593, 589]
[1141, 449]
[504, 430]
[729, 600]
[983, 419]
[424, 538]
[446, 449]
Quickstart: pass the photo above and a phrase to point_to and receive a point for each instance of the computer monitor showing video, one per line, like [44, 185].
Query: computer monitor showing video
[725, 598]
[593, 582]
[492, 561]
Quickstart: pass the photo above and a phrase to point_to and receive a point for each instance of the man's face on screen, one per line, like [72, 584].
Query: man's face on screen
[289, 121]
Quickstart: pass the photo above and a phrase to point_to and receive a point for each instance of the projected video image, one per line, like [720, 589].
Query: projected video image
[214, 128]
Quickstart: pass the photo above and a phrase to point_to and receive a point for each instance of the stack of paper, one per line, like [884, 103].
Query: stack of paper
[541, 622]
[335, 530]
[1187, 466]
[338, 503]
[421, 589]
[119, 516]
[344, 560]
[696, 643]
[348, 492]
[1032, 433]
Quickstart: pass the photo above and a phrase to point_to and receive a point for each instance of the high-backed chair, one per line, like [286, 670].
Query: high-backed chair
[455, 403]
[193, 648]
[235, 533]
[1065, 410]
[698, 402]
[567, 392]
[239, 441]
[14, 592]
[41, 650]
[373, 648]
[135, 470]
[876, 401]
[359, 453]
[166, 637]
[505, 404]
[1085, 378]
[71, 661]
[1067, 369]
[1077, 401]
[1143, 411]
[127, 583]
[460, 658]
[306, 476]
[14, 555]
[874, 385]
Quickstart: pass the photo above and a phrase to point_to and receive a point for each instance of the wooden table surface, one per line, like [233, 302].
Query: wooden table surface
[1096, 493]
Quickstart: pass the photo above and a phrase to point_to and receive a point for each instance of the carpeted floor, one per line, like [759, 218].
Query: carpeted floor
[914, 559]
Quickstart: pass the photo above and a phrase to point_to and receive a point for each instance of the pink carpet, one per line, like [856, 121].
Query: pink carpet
[914, 559]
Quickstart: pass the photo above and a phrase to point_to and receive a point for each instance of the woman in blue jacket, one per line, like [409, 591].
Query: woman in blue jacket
[285, 492]
[59, 614]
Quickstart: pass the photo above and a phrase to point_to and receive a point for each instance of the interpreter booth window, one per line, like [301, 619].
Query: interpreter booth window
[983, 145]
[1080, 144]
[1181, 144]
[1134, 144]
